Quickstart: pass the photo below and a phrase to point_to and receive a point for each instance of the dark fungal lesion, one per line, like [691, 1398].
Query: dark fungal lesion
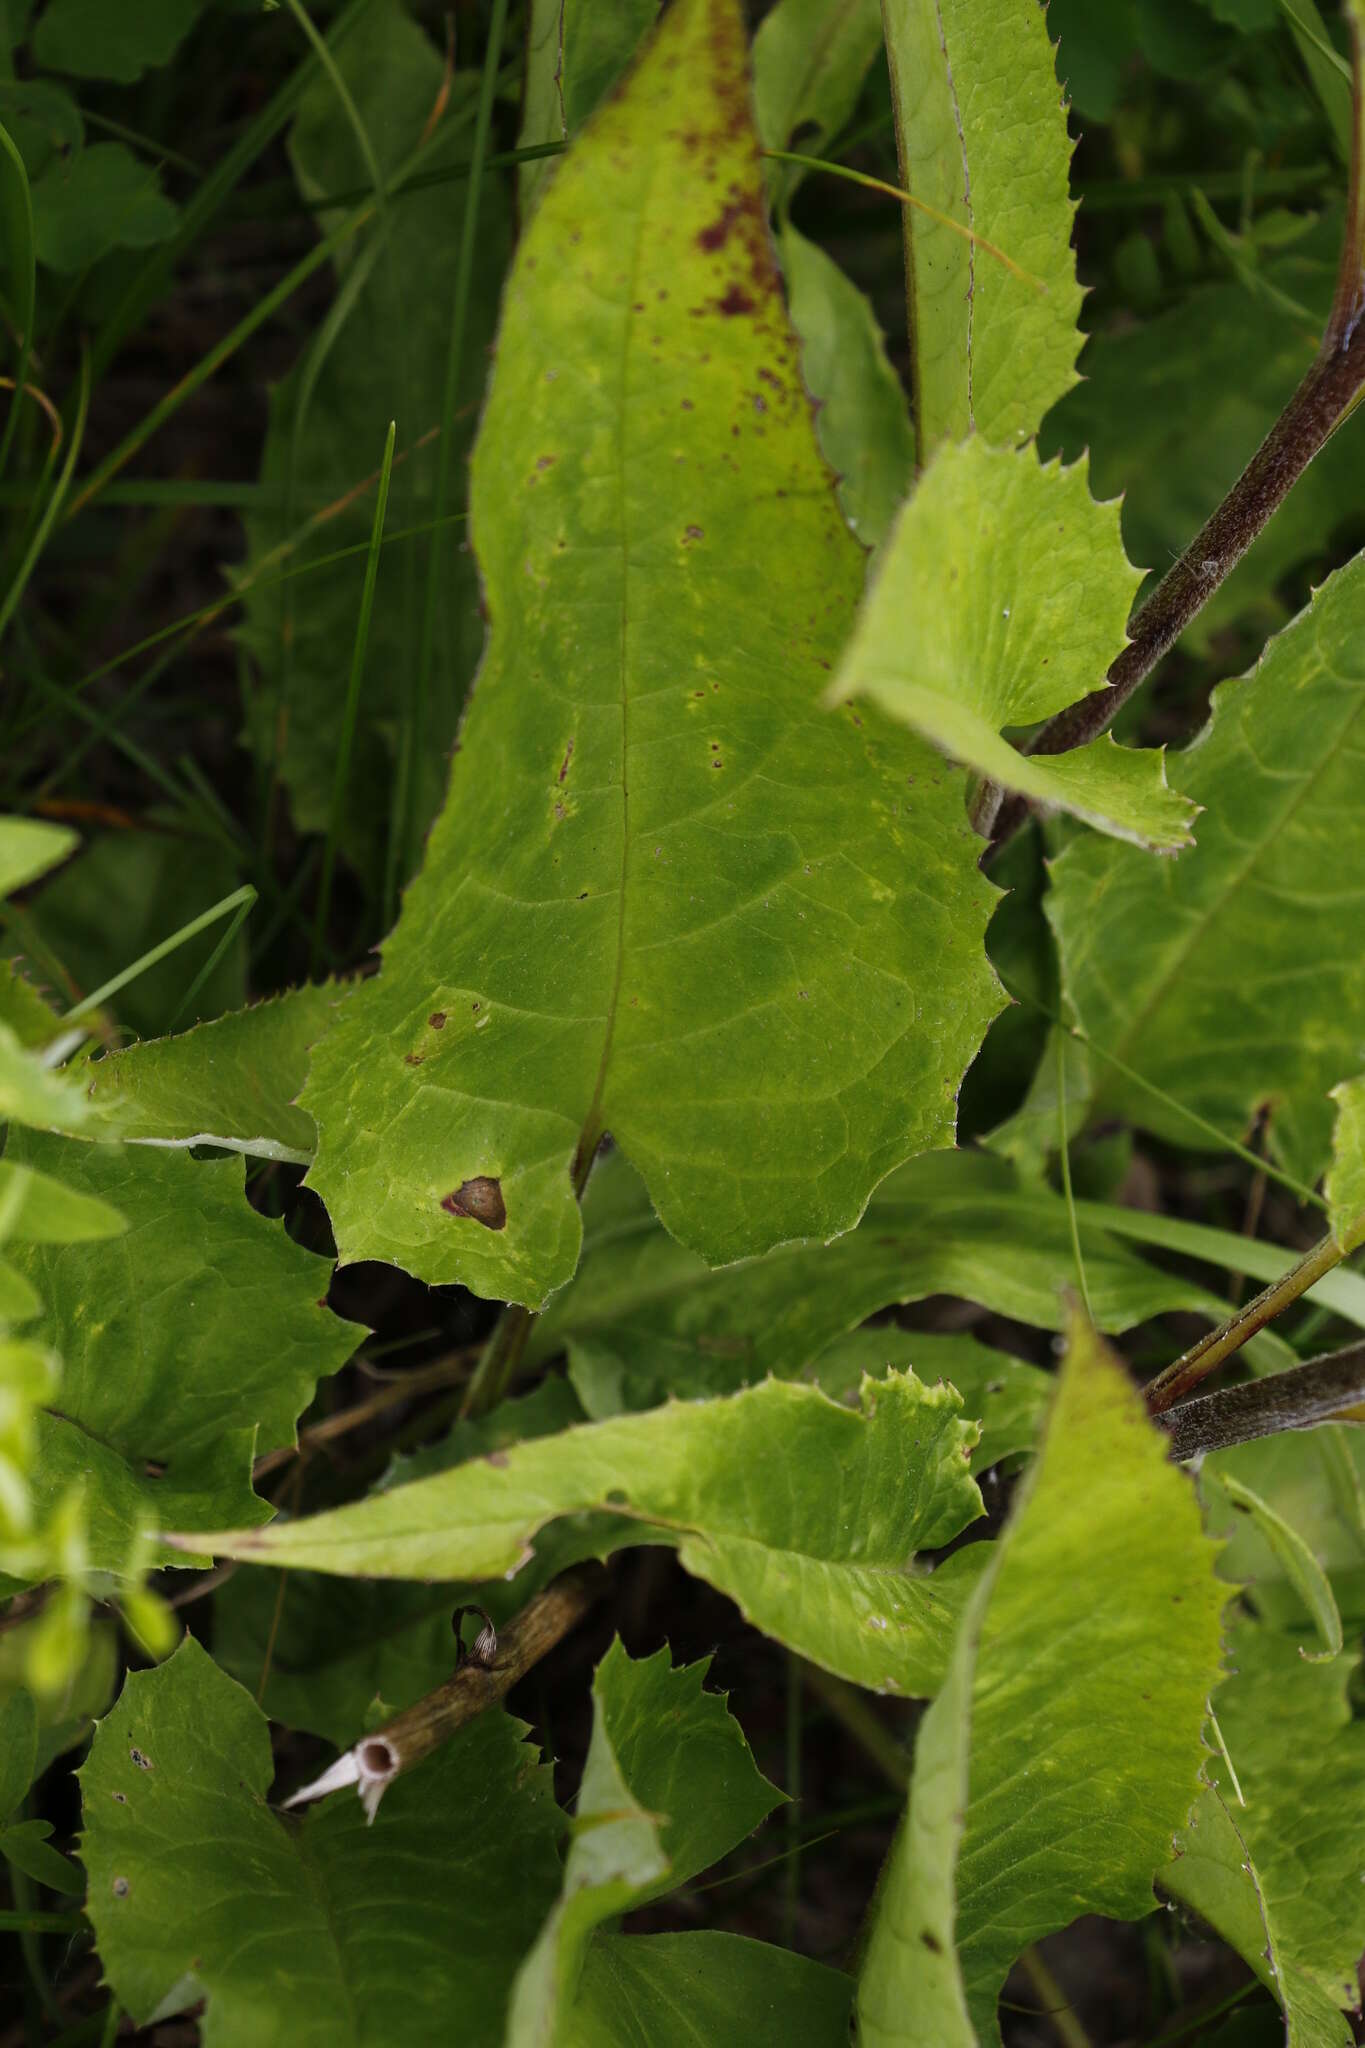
[480, 1199]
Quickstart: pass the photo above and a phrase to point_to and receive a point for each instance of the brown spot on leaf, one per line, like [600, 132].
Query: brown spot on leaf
[932, 1942]
[498, 1458]
[564, 764]
[693, 533]
[736, 300]
[480, 1199]
[412, 1059]
[121, 1887]
[144, 1763]
[437, 1020]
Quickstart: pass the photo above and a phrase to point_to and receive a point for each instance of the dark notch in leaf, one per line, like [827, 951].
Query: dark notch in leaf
[480, 1198]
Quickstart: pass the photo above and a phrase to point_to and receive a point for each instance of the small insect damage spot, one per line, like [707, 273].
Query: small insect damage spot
[480, 1199]
[144, 1763]
[412, 1059]
[120, 1797]
[694, 533]
[546, 461]
[121, 1887]
[931, 1942]
[564, 764]
[437, 1020]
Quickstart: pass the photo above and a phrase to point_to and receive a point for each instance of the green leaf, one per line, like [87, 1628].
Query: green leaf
[863, 423]
[332, 1648]
[25, 1845]
[1283, 1871]
[229, 1082]
[189, 1344]
[28, 848]
[18, 1749]
[1071, 1721]
[1300, 1566]
[1000, 598]
[334, 1933]
[1008, 1397]
[24, 1009]
[1193, 973]
[66, 1718]
[669, 1787]
[763, 971]
[955, 1223]
[328, 419]
[1172, 409]
[576, 50]
[160, 878]
[810, 58]
[33, 1094]
[805, 1512]
[981, 125]
[90, 39]
[1345, 1187]
[19, 1301]
[103, 199]
[47, 1211]
[687, 1991]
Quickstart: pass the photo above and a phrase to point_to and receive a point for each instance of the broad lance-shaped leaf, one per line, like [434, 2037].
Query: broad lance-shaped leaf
[189, 1343]
[1193, 972]
[1066, 1746]
[950, 1223]
[669, 896]
[230, 1082]
[1001, 597]
[335, 1935]
[686, 1990]
[981, 125]
[1345, 1187]
[363, 367]
[806, 1512]
[669, 1787]
[810, 58]
[1279, 1873]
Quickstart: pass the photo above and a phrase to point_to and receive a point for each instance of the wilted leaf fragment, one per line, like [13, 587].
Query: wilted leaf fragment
[1001, 597]
[669, 1788]
[1072, 1717]
[1192, 972]
[335, 1935]
[669, 897]
[981, 124]
[1279, 1876]
[806, 1512]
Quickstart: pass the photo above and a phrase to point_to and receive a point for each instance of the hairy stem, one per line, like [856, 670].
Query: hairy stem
[1210, 1352]
[1327, 394]
[1299, 1399]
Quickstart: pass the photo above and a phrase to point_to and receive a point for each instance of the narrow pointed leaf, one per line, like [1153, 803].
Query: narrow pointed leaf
[189, 1343]
[28, 847]
[48, 1211]
[863, 421]
[956, 1223]
[806, 1512]
[1345, 1188]
[1001, 597]
[1292, 1554]
[1091, 1660]
[230, 1082]
[1280, 1876]
[981, 124]
[332, 1935]
[810, 60]
[669, 1787]
[668, 896]
[1194, 975]
[38, 1096]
